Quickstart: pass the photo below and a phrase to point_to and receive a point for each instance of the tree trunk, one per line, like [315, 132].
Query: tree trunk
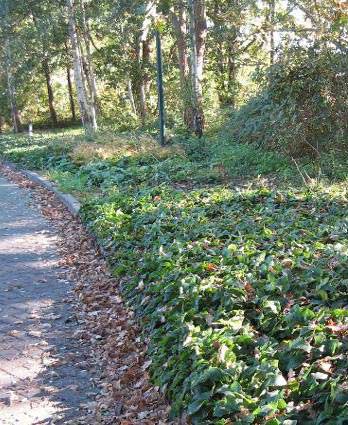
[71, 95]
[221, 72]
[143, 53]
[69, 82]
[13, 103]
[11, 88]
[271, 32]
[47, 73]
[87, 110]
[8, 68]
[144, 79]
[179, 19]
[198, 35]
[89, 66]
[142, 102]
[84, 69]
[131, 96]
[86, 79]
[53, 113]
[232, 80]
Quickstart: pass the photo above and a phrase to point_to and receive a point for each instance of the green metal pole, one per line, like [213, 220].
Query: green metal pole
[161, 106]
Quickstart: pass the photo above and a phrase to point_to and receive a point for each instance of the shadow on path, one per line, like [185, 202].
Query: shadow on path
[45, 377]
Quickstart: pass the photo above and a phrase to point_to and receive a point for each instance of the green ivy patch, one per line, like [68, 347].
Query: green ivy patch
[39, 152]
[243, 296]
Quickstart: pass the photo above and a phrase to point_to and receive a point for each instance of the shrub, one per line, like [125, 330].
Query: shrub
[303, 107]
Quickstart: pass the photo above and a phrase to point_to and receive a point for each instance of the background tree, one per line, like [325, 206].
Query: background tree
[214, 53]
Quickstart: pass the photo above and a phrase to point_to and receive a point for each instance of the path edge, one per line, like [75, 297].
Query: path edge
[70, 202]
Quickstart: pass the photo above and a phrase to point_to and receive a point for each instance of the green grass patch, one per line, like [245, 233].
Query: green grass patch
[249, 161]
[70, 182]
[40, 152]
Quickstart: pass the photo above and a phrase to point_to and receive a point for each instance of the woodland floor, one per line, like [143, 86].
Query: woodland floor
[59, 362]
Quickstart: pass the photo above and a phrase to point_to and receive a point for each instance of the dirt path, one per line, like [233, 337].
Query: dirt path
[42, 372]
[70, 352]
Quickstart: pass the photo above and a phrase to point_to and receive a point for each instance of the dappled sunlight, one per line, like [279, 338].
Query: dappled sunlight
[108, 146]
[39, 377]
[207, 145]
[42, 412]
[238, 278]
[30, 353]
[13, 243]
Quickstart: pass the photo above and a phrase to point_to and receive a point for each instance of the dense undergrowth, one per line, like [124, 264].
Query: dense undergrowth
[241, 289]
[302, 108]
[242, 294]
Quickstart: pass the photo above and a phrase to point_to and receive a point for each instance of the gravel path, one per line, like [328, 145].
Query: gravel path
[43, 373]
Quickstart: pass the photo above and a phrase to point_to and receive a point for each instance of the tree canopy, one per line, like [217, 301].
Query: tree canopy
[97, 60]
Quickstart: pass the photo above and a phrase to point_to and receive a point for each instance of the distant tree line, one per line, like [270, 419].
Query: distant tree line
[95, 60]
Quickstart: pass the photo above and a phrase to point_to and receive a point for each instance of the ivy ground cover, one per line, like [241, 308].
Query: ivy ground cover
[242, 295]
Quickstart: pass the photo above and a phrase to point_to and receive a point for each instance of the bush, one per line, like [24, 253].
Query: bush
[303, 107]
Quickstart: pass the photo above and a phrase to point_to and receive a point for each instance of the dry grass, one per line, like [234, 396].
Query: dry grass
[111, 146]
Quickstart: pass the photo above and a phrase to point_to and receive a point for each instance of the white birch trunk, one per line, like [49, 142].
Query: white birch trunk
[131, 97]
[92, 82]
[198, 32]
[198, 35]
[10, 87]
[87, 111]
[86, 82]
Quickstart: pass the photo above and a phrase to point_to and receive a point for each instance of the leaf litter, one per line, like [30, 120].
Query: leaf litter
[117, 351]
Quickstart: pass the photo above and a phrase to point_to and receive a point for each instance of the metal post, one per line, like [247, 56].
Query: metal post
[160, 89]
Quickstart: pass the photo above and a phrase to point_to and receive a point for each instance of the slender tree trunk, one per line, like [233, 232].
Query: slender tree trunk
[147, 47]
[69, 82]
[143, 53]
[71, 95]
[11, 88]
[232, 80]
[89, 66]
[87, 110]
[179, 19]
[84, 69]
[221, 73]
[50, 94]
[143, 86]
[47, 73]
[198, 35]
[86, 79]
[14, 111]
[131, 96]
[271, 32]
[142, 102]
